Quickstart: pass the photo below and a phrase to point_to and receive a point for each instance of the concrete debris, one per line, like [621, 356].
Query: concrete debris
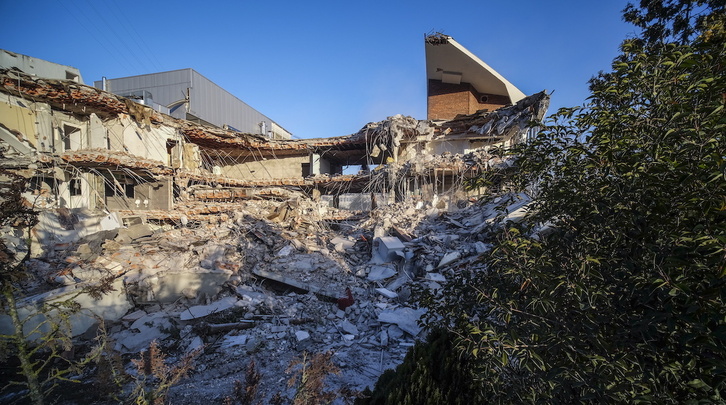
[200, 311]
[294, 284]
[404, 318]
[378, 273]
[135, 232]
[302, 335]
[247, 246]
[448, 259]
[386, 292]
[234, 340]
[348, 328]
[389, 248]
[438, 277]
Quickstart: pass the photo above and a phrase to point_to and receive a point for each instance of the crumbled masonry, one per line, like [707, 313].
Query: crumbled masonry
[249, 247]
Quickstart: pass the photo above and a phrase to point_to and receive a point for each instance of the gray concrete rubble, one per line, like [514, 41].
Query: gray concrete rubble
[245, 246]
[249, 287]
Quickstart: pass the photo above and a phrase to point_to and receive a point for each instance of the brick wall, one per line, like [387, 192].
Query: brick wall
[446, 101]
[480, 101]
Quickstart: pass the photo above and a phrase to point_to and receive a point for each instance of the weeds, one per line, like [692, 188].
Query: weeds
[309, 379]
[155, 377]
[245, 395]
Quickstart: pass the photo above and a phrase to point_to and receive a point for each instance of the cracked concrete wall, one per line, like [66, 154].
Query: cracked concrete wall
[149, 143]
[19, 119]
[284, 167]
[98, 136]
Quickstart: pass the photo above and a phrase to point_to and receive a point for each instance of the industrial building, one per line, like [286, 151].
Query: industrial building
[188, 95]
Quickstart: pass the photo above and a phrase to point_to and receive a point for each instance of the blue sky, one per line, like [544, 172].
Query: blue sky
[322, 68]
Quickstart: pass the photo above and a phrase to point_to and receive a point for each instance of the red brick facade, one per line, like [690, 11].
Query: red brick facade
[446, 101]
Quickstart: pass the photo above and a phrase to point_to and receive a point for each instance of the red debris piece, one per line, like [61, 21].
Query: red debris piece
[345, 302]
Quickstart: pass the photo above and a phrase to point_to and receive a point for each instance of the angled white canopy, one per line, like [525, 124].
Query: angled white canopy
[448, 61]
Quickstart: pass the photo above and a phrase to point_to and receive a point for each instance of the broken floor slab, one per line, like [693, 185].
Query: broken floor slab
[378, 273]
[404, 318]
[295, 283]
[143, 331]
[200, 311]
[169, 285]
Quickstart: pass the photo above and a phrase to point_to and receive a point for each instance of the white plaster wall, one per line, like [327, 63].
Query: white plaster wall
[98, 138]
[149, 143]
[45, 128]
[115, 133]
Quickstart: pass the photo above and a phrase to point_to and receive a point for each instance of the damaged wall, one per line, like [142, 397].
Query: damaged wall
[447, 100]
[258, 169]
[118, 155]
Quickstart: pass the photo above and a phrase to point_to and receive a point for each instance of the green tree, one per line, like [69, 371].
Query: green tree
[613, 288]
[433, 372]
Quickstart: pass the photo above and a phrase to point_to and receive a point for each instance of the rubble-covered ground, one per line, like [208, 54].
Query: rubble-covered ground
[250, 288]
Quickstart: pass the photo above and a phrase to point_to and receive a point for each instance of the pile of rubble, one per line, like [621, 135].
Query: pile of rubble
[264, 286]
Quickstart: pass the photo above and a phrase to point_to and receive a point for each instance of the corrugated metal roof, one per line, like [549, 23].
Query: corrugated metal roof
[207, 100]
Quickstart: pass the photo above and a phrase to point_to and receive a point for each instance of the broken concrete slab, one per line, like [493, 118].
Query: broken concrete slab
[143, 331]
[234, 340]
[404, 318]
[386, 292]
[201, 311]
[378, 273]
[448, 259]
[302, 335]
[171, 284]
[394, 333]
[285, 251]
[110, 307]
[397, 283]
[196, 343]
[384, 338]
[295, 283]
[135, 232]
[342, 244]
[348, 327]
[248, 294]
[482, 247]
[389, 248]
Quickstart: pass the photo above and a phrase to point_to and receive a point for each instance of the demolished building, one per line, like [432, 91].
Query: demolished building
[92, 149]
[96, 162]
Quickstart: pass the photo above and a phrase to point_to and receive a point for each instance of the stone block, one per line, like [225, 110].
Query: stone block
[389, 247]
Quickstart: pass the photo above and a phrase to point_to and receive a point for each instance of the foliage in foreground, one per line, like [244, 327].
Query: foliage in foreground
[620, 297]
[308, 378]
[155, 376]
[432, 373]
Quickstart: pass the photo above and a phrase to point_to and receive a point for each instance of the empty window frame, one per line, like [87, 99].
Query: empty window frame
[71, 137]
[74, 187]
